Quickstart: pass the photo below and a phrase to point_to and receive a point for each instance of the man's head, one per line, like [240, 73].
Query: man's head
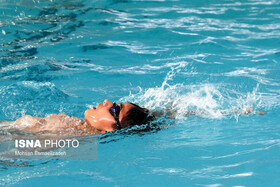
[105, 116]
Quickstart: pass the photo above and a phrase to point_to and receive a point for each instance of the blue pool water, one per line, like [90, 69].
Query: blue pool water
[208, 56]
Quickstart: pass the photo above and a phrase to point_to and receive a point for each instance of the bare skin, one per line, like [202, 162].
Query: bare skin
[170, 114]
[247, 111]
[54, 122]
[97, 120]
[101, 118]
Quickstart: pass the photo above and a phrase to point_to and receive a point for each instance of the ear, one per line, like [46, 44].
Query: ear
[104, 131]
[108, 129]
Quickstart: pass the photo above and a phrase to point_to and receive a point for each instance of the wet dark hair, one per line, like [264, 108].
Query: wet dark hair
[136, 116]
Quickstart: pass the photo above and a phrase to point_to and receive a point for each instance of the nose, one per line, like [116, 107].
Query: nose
[107, 103]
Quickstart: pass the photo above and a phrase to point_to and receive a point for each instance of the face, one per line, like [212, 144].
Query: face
[100, 117]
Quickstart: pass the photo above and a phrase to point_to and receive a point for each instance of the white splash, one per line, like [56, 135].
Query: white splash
[204, 100]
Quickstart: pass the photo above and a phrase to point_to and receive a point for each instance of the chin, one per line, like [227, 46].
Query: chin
[86, 113]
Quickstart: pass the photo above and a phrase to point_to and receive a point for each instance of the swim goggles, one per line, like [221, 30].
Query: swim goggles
[115, 111]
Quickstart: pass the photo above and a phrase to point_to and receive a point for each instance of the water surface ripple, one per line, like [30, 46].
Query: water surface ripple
[208, 56]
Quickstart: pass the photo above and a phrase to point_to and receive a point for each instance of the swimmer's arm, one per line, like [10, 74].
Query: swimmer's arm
[246, 112]
[172, 113]
[231, 111]
[6, 122]
[30, 119]
[14, 122]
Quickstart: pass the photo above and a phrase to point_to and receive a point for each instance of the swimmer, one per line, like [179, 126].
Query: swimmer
[106, 117]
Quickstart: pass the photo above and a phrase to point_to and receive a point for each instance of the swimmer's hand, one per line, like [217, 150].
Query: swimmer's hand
[260, 112]
[250, 110]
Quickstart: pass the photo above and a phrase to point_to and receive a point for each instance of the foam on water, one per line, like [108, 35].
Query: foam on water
[205, 100]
